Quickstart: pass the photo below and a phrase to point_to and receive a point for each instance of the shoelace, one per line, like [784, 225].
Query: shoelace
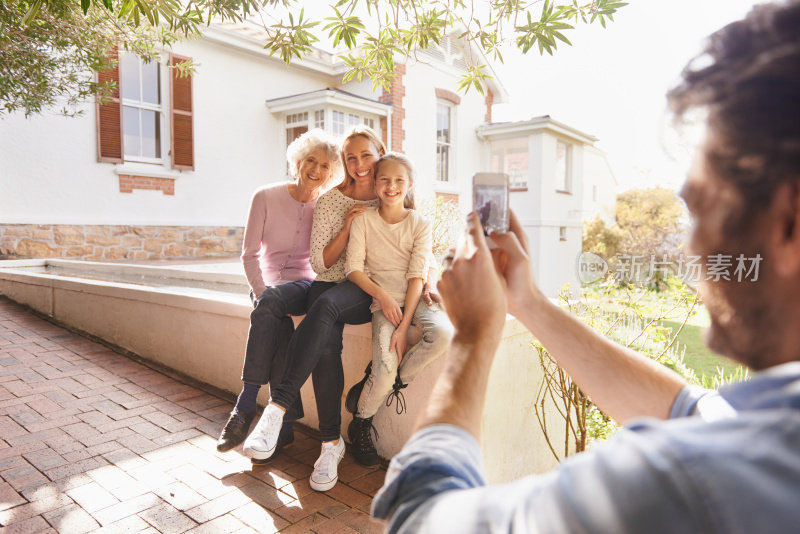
[264, 423]
[364, 443]
[326, 460]
[233, 421]
[397, 395]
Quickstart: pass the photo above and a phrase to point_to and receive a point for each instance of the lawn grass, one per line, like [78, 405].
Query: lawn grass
[698, 356]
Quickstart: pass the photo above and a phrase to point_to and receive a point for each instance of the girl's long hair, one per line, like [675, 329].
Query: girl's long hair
[403, 160]
[372, 137]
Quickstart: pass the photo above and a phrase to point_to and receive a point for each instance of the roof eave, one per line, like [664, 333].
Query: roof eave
[230, 37]
[536, 124]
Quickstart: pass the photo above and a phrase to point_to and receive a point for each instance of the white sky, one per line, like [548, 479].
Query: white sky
[611, 83]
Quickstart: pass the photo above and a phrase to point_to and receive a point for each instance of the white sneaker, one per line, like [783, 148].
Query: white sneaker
[261, 443]
[325, 472]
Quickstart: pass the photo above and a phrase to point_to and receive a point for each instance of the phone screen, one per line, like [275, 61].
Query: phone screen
[491, 203]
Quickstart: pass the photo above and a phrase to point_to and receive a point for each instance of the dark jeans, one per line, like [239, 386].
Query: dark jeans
[271, 329]
[317, 347]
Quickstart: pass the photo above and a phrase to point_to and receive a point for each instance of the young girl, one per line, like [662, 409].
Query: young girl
[393, 243]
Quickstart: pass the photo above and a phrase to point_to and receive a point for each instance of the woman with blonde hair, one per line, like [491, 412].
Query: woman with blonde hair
[316, 347]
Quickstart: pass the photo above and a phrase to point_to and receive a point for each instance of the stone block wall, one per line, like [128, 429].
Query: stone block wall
[91, 242]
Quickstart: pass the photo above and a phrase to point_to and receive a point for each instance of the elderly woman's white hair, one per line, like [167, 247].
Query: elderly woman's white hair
[310, 141]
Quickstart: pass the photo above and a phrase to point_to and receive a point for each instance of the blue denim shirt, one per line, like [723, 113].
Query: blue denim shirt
[726, 463]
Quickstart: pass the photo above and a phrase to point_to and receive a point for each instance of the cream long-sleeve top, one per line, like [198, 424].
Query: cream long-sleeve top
[276, 239]
[328, 221]
[391, 254]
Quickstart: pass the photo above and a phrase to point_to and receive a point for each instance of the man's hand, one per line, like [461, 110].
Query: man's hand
[399, 342]
[514, 265]
[473, 294]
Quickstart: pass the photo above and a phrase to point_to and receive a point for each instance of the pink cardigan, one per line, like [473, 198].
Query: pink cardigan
[276, 238]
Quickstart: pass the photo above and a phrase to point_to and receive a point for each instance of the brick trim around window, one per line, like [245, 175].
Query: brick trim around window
[450, 96]
[128, 183]
[489, 100]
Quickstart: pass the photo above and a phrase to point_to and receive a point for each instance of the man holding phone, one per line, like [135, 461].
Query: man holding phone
[690, 460]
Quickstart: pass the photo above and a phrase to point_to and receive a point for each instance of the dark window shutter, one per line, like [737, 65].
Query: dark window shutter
[109, 119]
[181, 123]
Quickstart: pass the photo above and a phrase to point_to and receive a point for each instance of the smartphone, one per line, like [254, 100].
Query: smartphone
[490, 200]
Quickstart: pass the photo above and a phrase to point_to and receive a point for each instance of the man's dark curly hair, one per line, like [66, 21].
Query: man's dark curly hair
[751, 90]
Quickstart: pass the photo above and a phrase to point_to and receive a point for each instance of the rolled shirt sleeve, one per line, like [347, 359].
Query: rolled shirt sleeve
[705, 403]
[356, 246]
[437, 484]
[421, 252]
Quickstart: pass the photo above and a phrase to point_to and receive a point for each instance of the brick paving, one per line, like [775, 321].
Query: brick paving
[92, 441]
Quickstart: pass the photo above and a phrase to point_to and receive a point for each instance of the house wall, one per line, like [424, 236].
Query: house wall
[598, 174]
[239, 145]
[543, 212]
[421, 81]
[53, 184]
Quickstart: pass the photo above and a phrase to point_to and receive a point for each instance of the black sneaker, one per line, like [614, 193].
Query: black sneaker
[359, 431]
[284, 438]
[351, 401]
[236, 429]
[397, 396]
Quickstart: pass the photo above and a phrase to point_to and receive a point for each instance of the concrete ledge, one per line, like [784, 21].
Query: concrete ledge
[202, 333]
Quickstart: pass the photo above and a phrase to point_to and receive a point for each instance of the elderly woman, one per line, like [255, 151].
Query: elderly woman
[275, 255]
[334, 301]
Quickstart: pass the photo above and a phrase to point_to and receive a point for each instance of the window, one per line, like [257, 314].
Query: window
[562, 233]
[140, 86]
[343, 121]
[338, 123]
[353, 120]
[563, 167]
[511, 157]
[142, 116]
[300, 122]
[296, 125]
[443, 142]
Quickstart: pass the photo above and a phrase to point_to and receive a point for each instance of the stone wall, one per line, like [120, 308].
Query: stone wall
[89, 242]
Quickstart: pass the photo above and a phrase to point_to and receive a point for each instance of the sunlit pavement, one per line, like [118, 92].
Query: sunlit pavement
[91, 440]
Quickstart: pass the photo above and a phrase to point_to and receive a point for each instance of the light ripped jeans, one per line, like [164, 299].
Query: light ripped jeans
[436, 335]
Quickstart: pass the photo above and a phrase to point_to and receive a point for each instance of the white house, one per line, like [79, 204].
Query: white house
[167, 168]
[599, 186]
[547, 163]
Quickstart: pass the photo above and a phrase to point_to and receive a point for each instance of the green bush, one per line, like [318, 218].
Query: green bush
[633, 318]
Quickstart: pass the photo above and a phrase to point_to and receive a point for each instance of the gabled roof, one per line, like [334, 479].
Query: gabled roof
[250, 37]
[527, 127]
[328, 96]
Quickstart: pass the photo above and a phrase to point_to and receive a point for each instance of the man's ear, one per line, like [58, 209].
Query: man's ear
[785, 232]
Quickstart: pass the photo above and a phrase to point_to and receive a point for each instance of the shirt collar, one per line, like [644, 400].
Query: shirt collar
[776, 387]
